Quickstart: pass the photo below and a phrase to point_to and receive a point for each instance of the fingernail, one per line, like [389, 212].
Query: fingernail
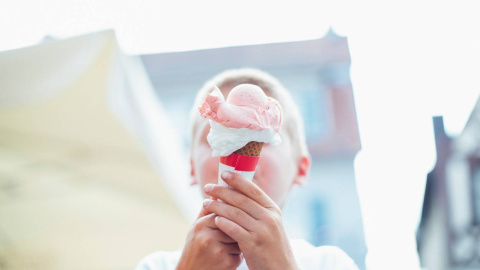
[208, 188]
[226, 175]
[206, 202]
[216, 219]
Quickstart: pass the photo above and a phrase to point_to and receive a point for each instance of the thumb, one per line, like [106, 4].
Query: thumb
[203, 211]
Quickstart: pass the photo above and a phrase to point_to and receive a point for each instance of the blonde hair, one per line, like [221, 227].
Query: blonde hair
[292, 119]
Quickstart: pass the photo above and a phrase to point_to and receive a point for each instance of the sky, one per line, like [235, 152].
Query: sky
[149, 26]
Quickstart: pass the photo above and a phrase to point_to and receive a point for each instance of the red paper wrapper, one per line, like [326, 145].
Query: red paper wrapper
[243, 165]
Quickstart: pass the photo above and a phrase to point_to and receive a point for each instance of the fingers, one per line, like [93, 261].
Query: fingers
[236, 199]
[223, 237]
[203, 212]
[248, 188]
[231, 212]
[233, 249]
[232, 229]
[207, 221]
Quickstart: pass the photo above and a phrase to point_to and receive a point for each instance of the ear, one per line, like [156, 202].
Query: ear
[303, 170]
[193, 180]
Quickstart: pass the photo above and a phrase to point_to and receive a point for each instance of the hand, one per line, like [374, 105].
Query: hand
[207, 247]
[253, 220]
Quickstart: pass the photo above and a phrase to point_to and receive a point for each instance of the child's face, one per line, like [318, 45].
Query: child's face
[276, 168]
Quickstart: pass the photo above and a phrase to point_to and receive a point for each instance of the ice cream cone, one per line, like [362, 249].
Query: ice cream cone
[252, 149]
[239, 126]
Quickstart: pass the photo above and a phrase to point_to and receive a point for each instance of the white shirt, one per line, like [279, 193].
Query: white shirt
[306, 255]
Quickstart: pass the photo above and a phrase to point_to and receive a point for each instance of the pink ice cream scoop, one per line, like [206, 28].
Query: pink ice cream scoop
[247, 106]
[247, 115]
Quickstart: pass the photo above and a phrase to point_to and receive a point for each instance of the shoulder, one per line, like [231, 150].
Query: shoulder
[160, 260]
[323, 257]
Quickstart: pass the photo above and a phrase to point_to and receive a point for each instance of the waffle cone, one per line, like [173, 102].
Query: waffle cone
[250, 149]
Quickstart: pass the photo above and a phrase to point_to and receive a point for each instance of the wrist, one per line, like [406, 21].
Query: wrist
[182, 264]
[288, 262]
[179, 267]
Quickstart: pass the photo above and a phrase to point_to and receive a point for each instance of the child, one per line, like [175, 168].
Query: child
[244, 229]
